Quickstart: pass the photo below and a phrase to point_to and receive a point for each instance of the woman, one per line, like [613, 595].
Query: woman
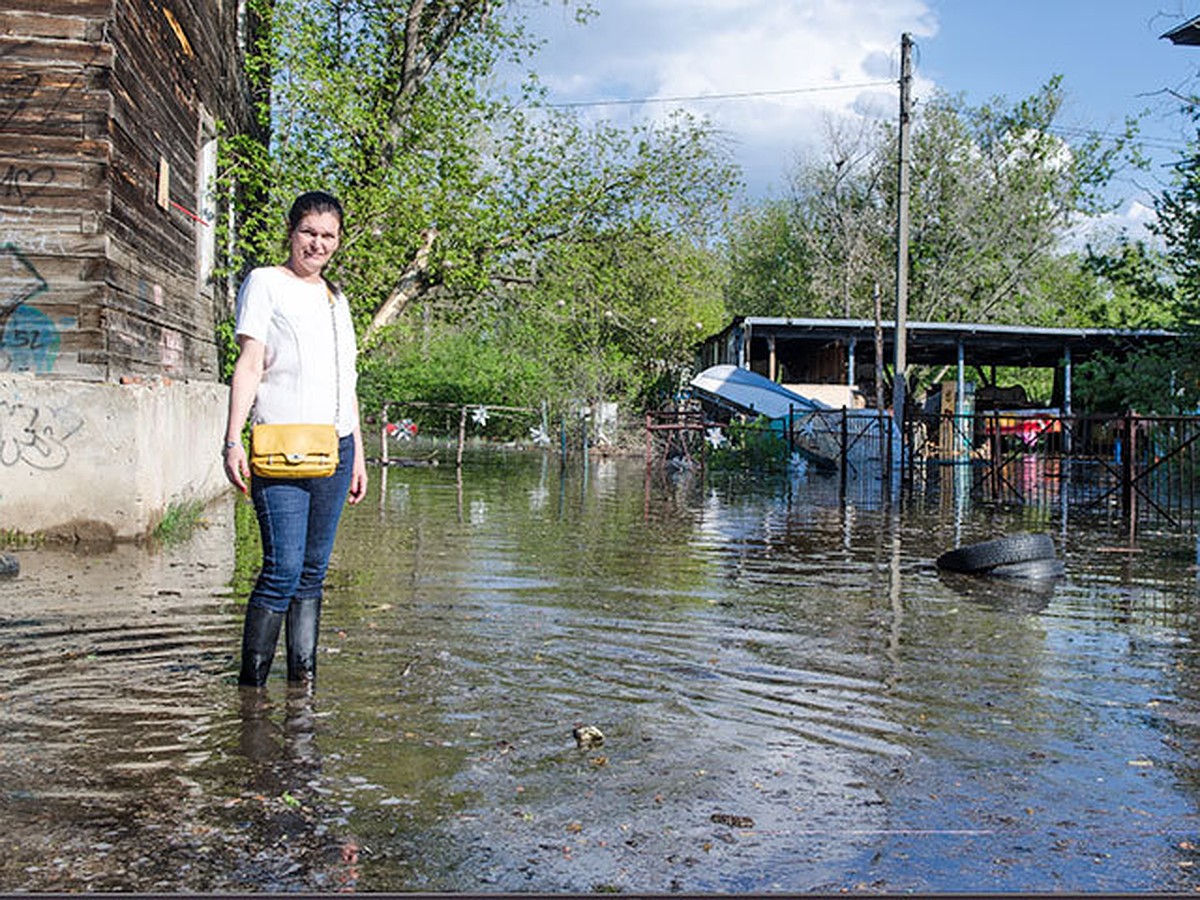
[296, 364]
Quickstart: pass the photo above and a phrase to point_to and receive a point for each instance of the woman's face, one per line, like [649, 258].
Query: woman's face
[313, 241]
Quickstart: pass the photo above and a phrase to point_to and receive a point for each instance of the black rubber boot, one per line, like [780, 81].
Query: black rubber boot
[259, 637]
[303, 624]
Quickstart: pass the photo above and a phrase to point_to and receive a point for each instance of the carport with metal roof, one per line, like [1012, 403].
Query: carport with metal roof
[843, 351]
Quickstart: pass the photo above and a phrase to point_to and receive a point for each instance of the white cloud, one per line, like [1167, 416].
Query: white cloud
[804, 60]
[1131, 220]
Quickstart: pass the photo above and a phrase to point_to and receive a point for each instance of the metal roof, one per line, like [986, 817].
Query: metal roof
[937, 343]
[1187, 34]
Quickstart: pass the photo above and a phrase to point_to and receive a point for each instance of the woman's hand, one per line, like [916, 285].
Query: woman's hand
[358, 480]
[237, 467]
[358, 474]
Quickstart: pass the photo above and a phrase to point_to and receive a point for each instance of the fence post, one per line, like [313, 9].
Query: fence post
[462, 435]
[881, 422]
[889, 443]
[1128, 470]
[649, 438]
[383, 435]
[997, 456]
[845, 453]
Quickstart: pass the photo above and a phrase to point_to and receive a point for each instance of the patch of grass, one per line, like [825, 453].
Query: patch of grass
[10, 538]
[179, 522]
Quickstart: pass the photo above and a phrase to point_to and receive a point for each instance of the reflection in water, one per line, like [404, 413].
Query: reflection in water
[792, 698]
[261, 738]
[110, 668]
[1017, 595]
[284, 755]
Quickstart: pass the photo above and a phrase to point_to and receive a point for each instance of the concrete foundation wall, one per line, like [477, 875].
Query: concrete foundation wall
[78, 457]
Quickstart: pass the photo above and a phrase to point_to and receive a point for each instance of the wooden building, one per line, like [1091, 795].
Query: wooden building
[110, 403]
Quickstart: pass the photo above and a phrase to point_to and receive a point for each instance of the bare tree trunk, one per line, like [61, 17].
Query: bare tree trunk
[410, 285]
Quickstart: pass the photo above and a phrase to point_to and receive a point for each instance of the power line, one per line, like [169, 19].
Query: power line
[1148, 141]
[1155, 143]
[743, 95]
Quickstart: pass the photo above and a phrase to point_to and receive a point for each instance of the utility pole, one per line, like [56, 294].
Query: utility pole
[900, 384]
[878, 349]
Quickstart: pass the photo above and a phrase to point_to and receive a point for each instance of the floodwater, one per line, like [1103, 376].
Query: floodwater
[791, 697]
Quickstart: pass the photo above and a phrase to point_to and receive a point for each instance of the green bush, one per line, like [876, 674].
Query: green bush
[757, 446]
[456, 370]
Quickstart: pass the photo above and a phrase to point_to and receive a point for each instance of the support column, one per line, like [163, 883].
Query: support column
[960, 388]
[1067, 427]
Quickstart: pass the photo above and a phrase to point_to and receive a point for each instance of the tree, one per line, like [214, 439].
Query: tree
[588, 254]
[771, 271]
[377, 101]
[464, 207]
[993, 190]
[1164, 290]
[844, 217]
[622, 313]
[1177, 223]
[1137, 289]
[820, 250]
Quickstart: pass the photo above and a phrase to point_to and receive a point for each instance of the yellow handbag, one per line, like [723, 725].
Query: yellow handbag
[293, 451]
[299, 450]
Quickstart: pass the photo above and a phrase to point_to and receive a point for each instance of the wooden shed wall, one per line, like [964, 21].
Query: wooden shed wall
[98, 281]
[54, 67]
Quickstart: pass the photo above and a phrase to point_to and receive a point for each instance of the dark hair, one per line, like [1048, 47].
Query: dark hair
[313, 202]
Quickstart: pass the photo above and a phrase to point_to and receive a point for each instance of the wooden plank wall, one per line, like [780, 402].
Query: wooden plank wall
[53, 162]
[97, 280]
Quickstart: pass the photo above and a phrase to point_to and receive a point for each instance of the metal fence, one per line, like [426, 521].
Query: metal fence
[1132, 468]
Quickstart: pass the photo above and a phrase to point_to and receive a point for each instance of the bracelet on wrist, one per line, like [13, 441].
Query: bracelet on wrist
[229, 445]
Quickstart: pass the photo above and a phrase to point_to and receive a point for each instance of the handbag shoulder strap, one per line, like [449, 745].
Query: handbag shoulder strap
[337, 363]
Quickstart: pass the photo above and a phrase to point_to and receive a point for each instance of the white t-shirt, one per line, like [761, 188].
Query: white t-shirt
[296, 324]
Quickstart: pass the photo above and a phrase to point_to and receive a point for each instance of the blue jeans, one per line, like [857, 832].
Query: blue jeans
[298, 519]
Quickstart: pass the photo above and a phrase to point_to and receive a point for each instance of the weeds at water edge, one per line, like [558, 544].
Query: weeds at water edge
[179, 522]
[11, 539]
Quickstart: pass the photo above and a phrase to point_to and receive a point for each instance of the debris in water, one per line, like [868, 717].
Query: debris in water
[588, 736]
[732, 821]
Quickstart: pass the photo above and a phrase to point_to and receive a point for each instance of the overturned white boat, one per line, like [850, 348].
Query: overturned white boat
[750, 393]
[817, 429]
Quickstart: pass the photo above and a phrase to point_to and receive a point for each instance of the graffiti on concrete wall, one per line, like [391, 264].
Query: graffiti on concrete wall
[36, 436]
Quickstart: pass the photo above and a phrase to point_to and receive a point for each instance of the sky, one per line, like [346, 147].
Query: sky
[798, 64]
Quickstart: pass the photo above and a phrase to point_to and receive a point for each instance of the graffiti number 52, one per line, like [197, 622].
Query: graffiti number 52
[25, 337]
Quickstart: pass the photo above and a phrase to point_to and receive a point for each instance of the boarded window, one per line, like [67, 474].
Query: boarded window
[206, 206]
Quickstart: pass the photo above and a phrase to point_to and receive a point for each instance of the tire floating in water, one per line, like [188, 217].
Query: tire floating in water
[1013, 550]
